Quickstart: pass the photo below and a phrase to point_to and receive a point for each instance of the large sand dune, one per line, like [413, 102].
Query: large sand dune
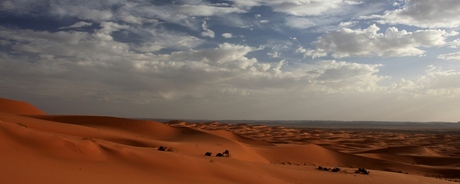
[18, 107]
[39, 148]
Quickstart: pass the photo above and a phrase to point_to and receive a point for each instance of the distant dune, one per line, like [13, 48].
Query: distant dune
[40, 148]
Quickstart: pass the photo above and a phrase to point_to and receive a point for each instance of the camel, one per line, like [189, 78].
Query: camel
[162, 148]
[208, 154]
[226, 153]
[362, 170]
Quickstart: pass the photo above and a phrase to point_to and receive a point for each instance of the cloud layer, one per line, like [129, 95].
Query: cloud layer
[234, 60]
[369, 42]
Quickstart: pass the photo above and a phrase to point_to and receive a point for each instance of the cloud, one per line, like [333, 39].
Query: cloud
[306, 8]
[300, 8]
[104, 11]
[227, 35]
[157, 58]
[423, 13]
[207, 10]
[450, 56]
[90, 66]
[274, 54]
[348, 24]
[438, 82]
[302, 23]
[83, 11]
[156, 40]
[206, 31]
[78, 25]
[369, 42]
[455, 43]
[315, 24]
[346, 77]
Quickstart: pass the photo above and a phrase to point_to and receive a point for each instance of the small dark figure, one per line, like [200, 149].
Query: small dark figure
[362, 170]
[208, 154]
[162, 148]
[336, 169]
[326, 169]
[219, 155]
[226, 153]
[320, 168]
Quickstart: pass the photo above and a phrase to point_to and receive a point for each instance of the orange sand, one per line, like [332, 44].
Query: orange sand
[39, 148]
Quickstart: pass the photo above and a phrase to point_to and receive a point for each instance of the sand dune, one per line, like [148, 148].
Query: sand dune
[18, 107]
[39, 148]
[151, 129]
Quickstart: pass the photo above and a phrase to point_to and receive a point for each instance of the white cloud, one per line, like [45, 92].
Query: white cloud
[264, 21]
[345, 77]
[455, 43]
[302, 23]
[78, 25]
[438, 82]
[348, 24]
[313, 53]
[164, 40]
[450, 56]
[369, 42]
[304, 8]
[423, 13]
[84, 65]
[320, 24]
[227, 35]
[274, 54]
[207, 10]
[301, 7]
[206, 31]
[82, 12]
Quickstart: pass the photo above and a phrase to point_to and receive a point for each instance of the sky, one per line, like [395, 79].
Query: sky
[377, 60]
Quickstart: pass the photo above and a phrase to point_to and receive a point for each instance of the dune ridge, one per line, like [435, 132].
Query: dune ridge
[39, 148]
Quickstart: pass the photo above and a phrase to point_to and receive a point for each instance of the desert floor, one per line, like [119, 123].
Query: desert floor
[40, 148]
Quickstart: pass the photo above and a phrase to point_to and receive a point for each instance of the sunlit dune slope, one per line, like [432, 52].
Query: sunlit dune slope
[150, 129]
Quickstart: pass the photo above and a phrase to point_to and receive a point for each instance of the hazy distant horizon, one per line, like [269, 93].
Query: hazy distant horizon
[336, 124]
